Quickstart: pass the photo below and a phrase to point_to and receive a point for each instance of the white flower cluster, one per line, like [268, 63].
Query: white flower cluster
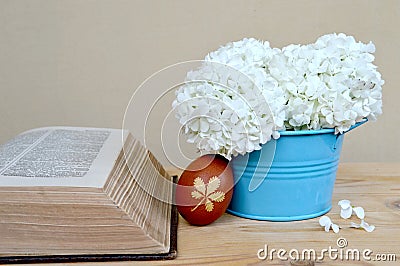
[246, 91]
[223, 106]
[332, 83]
[346, 210]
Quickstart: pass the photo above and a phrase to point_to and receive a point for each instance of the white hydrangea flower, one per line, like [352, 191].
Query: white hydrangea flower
[223, 107]
[247, 91]
[329, 84]
[354, 84]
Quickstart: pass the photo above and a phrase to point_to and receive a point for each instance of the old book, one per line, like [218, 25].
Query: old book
[83, 194]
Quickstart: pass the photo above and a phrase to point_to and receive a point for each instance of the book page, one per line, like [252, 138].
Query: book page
[60, 156]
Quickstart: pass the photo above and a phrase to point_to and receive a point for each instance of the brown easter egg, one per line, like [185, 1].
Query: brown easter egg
[204, 189]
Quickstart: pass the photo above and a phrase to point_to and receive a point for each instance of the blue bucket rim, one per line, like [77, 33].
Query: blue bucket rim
[315, 132]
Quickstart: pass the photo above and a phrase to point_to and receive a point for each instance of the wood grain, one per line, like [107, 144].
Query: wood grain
[235, 241]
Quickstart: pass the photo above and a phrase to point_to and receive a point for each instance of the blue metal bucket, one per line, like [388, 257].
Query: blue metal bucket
[289, 179]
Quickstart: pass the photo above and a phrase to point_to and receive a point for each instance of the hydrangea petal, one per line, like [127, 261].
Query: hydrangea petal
[346, 213]
[324, 220]
[359, 211]
[344, 203]
[367, 227]
[335, 228]
[364, 225]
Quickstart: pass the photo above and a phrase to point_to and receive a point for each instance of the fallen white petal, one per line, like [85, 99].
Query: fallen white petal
[327, 227]
[354, 225]
[346, 213]
[335, 228]
[324, 220]
[367, 227]
[359, 211]
[344, 204]
[364, 225]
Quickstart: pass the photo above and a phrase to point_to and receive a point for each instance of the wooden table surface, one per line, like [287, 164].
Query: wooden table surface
[235, 241]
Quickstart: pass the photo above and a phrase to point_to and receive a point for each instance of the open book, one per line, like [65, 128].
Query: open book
[83, 194]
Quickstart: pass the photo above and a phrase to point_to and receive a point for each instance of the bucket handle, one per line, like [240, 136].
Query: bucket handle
[356, 125]
[351, 128]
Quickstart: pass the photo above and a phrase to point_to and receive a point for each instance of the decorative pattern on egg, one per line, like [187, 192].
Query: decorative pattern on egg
[204, 189]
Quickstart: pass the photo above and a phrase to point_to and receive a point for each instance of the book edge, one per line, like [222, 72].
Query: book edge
[171, 254]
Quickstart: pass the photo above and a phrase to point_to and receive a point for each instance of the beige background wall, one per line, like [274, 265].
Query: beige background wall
[71, 62]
